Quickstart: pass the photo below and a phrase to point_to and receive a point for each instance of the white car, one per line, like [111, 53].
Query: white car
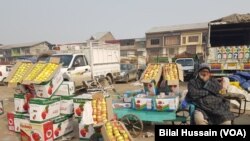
[4, 72]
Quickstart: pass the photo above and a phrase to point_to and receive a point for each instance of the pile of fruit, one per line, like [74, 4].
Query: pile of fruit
[116, 132]
[35, 71]
[21, 72]
[152, 71]
[171, 72]
[99, 110]
[46, 72]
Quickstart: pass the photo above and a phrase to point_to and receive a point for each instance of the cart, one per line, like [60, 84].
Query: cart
[133, 119]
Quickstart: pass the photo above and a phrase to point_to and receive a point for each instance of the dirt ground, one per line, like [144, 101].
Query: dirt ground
[7, 95]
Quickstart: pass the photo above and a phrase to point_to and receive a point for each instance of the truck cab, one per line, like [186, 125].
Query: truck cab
[75, 67]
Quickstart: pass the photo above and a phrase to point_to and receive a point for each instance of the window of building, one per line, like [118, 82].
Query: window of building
[193, 38]
[155, 41]
[184, 40]
[123, 53]
[172, 40]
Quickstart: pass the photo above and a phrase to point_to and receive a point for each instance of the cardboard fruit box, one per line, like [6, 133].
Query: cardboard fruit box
[114, 130]
[173, 73]
[167, 103]
[152, 69]
[85, 131]
[14, 120]
[66, 89]
[21, 102]
[37, 132]
[18, 73]
[46, 88]
[128, 95]
[67, 105]
[79, 102]
[44, 109]
[63, 125]
[142, 103]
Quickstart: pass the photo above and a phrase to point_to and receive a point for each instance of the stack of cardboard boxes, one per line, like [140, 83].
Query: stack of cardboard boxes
[43, 102]
[154, 77]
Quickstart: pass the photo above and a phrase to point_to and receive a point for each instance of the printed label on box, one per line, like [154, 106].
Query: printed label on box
[62, 126]
[44, 109]
[37, 132]
[67, 105]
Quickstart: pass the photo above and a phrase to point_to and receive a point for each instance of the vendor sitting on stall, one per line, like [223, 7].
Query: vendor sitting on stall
[210, 106]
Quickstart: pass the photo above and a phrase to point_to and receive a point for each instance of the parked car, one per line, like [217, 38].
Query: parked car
[188, 66]
[4, 72]
[128, 72]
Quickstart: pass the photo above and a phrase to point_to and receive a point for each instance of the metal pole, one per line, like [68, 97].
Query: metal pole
[208, 42]
[91, 60]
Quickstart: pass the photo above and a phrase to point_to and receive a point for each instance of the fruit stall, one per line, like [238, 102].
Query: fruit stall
[46, 107]
[150, 104]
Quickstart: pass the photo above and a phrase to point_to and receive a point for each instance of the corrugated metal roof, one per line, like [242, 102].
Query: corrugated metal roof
[178, 27]
[235, 18]
[21, 45]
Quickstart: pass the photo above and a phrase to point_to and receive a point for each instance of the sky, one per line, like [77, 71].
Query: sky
[70, 21]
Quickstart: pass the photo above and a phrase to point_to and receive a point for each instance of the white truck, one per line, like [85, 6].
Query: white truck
[188, 66]
[91, 63]
[4, 71]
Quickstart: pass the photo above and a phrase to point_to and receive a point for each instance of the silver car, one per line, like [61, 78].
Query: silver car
[128, 72]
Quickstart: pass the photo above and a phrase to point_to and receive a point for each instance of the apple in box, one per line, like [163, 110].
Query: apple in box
[79, 102]
[166, 104]
[21, 102]
[67, 105]
[44, 109]
[62, 125]
[142, 103]
[1, 107]
[85, 131]
[66, 89]
[37, 132]
[47, 89]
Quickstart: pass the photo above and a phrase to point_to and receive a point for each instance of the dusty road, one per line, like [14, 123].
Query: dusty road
[6, 94]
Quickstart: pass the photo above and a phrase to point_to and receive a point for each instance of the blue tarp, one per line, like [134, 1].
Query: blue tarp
[245, 75]
[237, 78]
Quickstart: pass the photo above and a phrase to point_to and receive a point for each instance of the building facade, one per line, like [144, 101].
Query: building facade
[172, 40]
[24, 50]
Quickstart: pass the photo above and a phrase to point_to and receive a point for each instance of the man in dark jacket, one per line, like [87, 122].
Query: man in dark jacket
[210, 106]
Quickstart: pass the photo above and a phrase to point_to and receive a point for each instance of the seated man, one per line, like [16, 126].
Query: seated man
[210, 106]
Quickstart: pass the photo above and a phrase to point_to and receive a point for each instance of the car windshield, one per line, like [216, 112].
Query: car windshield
[185, 62]
[64, 59]
[124, 67]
